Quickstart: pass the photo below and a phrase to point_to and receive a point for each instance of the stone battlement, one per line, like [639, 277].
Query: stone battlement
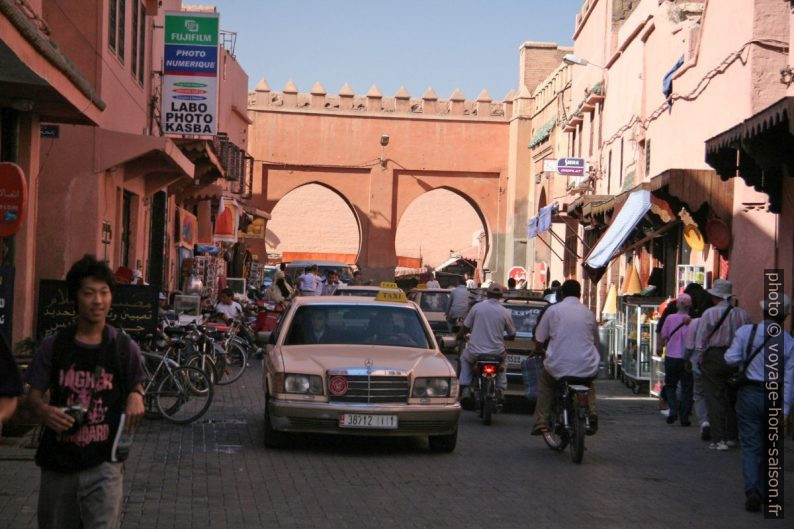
[374, 102]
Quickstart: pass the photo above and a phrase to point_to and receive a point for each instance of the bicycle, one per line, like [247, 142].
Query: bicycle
[180, 394]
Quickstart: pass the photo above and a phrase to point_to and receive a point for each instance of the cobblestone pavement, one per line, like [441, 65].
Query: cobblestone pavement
[637, 472]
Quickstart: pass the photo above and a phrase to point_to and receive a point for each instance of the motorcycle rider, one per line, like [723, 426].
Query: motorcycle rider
[488, 321]
[457, 305]
[572, 332]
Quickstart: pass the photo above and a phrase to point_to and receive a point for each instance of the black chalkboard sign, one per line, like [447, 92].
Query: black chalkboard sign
[134, 308]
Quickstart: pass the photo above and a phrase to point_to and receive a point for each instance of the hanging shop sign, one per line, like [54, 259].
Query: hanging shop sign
[13, 196]
[190, 74]
[570, 166]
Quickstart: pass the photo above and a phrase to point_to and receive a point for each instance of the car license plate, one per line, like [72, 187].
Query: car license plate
[515, 359]
[360, 420]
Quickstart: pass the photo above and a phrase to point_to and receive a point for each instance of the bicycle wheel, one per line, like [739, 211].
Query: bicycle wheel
[234, 366]
[556, 438]
[577, 433]
[184, 395]
[205, 363]
[488, 403]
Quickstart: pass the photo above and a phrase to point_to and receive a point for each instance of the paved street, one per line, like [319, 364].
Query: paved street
[637, 472]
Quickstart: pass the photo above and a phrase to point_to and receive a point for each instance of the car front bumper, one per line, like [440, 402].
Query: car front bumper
[323, 417]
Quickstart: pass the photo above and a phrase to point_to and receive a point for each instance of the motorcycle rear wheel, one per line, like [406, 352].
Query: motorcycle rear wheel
[577, 433]
[556, 438]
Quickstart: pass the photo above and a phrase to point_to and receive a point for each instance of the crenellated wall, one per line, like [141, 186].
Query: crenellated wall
[317, 99]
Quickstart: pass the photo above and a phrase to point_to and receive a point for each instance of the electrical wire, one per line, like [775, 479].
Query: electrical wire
[701, 86]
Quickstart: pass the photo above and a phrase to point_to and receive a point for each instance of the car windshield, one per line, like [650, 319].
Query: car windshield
[347, 324]
[357, 292]
[525, 318]
[434, 301]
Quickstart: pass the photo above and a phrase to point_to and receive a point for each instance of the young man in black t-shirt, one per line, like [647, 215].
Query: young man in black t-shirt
[94, 373]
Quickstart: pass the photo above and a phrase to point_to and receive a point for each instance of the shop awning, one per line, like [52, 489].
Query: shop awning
[207, 192]
[32, 68]
[581, 209]
[204, 155]
[757, 149]
[153, 157]
[117, 148]
[637, 204]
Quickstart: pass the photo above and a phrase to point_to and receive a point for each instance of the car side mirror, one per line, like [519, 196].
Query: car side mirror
[265, 337]
[445, 342]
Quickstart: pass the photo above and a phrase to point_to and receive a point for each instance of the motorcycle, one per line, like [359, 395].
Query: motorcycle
[570, 419]
[485, 370]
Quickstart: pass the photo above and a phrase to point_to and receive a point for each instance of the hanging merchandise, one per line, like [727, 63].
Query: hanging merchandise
[694, 238]
[187, 234]
[226, 221]
[611, 303]
[631, 283]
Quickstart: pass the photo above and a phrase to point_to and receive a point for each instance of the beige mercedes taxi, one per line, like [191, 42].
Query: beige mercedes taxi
[354, 365]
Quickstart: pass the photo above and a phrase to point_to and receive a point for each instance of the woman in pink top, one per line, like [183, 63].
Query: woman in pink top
[673, 334]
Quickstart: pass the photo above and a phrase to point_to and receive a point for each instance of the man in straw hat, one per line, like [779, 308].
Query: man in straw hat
[715, 333]
[750, 351]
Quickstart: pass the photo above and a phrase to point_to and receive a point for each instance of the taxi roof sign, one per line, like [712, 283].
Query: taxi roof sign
[387, 284]
[397, 296]
[421, 286]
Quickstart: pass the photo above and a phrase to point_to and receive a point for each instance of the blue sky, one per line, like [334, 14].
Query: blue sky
[470, 44]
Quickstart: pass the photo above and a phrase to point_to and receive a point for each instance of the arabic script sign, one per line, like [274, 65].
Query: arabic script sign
[13, 196]
[134, 308]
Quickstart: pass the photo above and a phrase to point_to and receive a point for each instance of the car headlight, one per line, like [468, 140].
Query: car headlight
[432, 387]
[303, 384]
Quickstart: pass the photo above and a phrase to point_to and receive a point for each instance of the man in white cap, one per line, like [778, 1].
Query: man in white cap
[716, 330]
[750, 352]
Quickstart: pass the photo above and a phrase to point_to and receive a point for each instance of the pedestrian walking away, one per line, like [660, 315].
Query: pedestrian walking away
[94, 375]
[675, 372]
[715, 333]
[748, 351]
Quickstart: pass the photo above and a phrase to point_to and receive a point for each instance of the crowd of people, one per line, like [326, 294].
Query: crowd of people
[714, 361]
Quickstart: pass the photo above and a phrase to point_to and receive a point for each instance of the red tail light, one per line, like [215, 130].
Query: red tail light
[489, 369]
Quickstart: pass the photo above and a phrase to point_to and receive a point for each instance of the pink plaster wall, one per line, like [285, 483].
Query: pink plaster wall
[642, 50]
[232, 100]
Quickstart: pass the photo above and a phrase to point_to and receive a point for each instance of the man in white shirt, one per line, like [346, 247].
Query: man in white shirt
[757, 349]
[488, 322]
[572, 332]
[469, 281]
[433, 283]
[227, 308]
[307, 281]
